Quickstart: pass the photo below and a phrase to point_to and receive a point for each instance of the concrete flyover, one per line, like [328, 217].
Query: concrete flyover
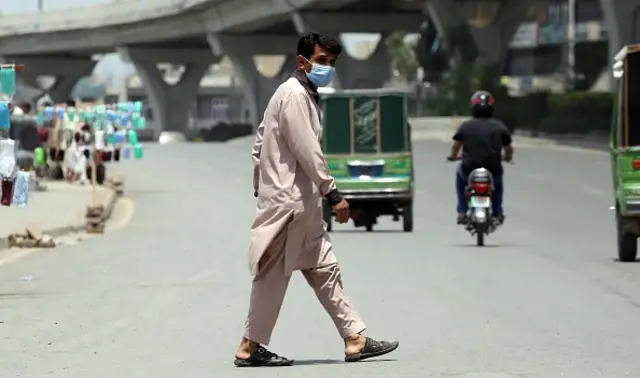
[197, 33]
[622, 18]
[492, 22]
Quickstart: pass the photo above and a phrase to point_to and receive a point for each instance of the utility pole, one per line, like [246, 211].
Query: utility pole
[40, 5]
[571, 42]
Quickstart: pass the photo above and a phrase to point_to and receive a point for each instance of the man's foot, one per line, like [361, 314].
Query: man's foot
[262, 357]
[499, 219]
[370, 348]
[462, 218]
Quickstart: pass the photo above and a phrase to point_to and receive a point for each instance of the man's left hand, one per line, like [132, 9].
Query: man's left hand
[342, 211]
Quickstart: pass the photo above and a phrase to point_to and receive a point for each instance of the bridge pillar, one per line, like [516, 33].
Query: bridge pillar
[67, 71]
[622, 19]
[257, 89]
[492, 39]
[170, 103]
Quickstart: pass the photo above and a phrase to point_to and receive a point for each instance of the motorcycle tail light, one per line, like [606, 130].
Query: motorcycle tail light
[636, 164]
[480, 188]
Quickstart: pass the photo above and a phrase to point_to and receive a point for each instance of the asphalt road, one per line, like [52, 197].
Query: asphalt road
[166, 296]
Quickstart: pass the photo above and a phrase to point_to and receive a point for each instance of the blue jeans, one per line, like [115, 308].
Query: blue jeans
[498, 193]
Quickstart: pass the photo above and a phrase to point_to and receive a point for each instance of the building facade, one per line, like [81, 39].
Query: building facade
[539, 49]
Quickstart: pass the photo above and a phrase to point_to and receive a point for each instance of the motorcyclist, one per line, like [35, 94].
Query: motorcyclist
[482, 140]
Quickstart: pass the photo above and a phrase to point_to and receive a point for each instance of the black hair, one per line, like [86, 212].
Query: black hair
[71, 103]
[308, 41]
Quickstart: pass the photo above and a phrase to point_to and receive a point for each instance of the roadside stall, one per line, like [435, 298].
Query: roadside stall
[14, 182]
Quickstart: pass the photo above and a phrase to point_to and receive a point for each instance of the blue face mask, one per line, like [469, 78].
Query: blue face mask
[320, 75]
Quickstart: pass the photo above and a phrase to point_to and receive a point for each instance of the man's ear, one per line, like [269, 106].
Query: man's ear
[300, 63]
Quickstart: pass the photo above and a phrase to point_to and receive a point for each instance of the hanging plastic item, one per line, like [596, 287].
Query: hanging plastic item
[124, 119]
[119, 137]
[82, 115]
[71, 113]
[48, 113]
[99, 140]
[7, 192]
[140, 124]
[126, 152]
[112, 116]
[101, 114]
[21, 189]
[133, 137]
[7, 82]
[7, 170]
[40, 159]
[91, 115]
[60, 113]
[137, 151]
[5, 116]
[137, 107]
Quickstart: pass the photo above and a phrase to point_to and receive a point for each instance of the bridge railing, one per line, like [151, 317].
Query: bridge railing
[115, 13]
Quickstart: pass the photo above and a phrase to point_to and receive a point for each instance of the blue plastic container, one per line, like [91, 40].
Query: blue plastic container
[5, 116]
[8, 81]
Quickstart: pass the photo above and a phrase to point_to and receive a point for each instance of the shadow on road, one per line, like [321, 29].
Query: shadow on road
[335, 362]
[473, 245]
[363, 231]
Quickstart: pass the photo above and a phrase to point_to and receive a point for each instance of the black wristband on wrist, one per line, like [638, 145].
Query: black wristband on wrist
[333, 197]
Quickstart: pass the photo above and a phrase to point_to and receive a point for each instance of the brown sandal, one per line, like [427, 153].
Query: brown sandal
[372, 348]
[262, 357]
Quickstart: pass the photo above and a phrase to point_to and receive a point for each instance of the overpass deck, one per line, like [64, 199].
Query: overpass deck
[94, 16]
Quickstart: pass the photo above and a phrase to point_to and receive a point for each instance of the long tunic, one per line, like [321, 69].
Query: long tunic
[290, 177]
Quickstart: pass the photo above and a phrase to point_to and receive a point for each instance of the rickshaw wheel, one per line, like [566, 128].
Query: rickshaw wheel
[407, 217]
[627, 242]
[369, 227]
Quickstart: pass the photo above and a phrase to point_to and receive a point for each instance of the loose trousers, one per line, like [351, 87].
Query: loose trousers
[270, 285]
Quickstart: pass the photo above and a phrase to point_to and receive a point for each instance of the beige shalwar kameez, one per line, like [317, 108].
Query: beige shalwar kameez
[291, 177]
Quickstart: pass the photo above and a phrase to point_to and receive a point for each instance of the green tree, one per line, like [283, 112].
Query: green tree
[403, 55]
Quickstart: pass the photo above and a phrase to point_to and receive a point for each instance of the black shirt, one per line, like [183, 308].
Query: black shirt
[482, 142]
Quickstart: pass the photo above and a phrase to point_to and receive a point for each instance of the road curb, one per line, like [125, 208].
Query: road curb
[69, 229]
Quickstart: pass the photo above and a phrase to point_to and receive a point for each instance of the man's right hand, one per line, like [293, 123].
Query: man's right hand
[342, 211]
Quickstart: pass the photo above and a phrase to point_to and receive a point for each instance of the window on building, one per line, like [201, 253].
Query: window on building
[220, 111]
[588, 10]
[204, 111]
[520, 62]
[548, 59]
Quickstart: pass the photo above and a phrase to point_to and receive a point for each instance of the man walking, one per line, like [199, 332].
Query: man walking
[290, 178]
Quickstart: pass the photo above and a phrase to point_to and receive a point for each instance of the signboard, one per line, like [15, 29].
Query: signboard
[365, 124]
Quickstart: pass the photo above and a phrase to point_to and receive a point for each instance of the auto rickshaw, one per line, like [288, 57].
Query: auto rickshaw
[625, 151]
[366, 140]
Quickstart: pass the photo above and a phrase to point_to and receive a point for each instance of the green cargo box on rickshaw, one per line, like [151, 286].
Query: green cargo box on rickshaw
[366, 140]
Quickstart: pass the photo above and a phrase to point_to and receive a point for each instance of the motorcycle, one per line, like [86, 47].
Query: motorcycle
[479, 220]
